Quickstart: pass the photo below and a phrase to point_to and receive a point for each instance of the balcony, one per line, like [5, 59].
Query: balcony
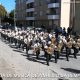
[29, 1]
[53, 5]
[53, 17]
[30, 18]
[30, 10]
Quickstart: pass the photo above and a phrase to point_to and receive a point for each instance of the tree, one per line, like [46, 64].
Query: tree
[3, 12]
[10, 18]
[11, 14]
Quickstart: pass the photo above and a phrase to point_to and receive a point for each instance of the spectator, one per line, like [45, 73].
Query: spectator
[64, 32]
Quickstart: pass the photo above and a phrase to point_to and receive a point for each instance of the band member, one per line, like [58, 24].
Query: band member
[26, 44]
[12, 37]
[16, 37]
[78, 40]
[75, 48]
[53, 39]
[68, 48]
[47, 41]
[48, 53]
[37, 49]
[57, 51]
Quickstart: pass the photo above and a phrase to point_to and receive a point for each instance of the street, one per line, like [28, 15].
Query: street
[14, 65]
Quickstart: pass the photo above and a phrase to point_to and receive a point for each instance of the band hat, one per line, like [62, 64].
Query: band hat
[45, 47]
[60, 41]
[78, 40]
[50, 35]
[49, 42]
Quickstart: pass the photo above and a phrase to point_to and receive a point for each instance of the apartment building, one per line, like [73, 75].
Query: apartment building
[38, 12]
[20, 12]
[30, 10]
[50, 13]
[76, 17]
[70, 14]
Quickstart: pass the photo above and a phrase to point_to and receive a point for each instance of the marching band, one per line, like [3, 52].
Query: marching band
[47, 42]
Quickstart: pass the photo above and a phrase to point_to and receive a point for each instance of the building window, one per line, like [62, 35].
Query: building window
[30, 5]
[41, 13]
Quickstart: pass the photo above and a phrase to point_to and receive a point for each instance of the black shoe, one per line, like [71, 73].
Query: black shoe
[67, 60]
[75, 57]
[47, 64]
[55, 61]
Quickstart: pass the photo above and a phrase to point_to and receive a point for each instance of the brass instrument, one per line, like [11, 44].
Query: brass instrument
[36, 48]
[49, 50]
[78, 45]
[58, 47]
[78, 40]
[53, 40]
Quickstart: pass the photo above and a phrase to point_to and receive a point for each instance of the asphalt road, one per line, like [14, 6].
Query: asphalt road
[14, 65]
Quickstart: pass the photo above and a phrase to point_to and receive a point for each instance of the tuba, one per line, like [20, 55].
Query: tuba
[53, 40]
[49, 50]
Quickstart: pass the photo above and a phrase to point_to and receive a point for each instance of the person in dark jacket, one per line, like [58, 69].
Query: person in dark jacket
[64, 32]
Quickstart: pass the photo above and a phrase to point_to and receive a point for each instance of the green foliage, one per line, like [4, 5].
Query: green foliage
[11, 14]
[3, 12]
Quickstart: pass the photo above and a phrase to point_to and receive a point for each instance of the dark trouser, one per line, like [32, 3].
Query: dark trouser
[48, 57]
[56, 53]
[22, 43]
[75, 52]
[19, 43]
[63, 47]
[24, 46]
[7, 38]
[37, 53]
[11, 40]
[68, 52]
[15, 41]
[27, 48]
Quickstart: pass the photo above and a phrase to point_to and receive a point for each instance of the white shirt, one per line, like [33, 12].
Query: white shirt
[50, 35]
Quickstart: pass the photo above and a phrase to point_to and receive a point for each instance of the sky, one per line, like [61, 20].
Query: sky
[8, 4]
